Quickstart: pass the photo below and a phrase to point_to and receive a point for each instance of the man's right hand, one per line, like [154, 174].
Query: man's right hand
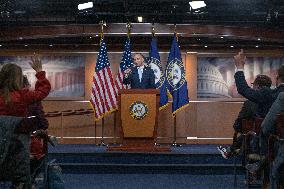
[240, 60]
[127, 72]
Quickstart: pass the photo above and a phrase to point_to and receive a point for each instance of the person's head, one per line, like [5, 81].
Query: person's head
[11, 79]
[262, 81]
[280, 75]
[138, 59]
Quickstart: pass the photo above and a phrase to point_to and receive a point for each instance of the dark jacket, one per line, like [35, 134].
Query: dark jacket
[14, 152]
[264, 97]
[248, 111]
[36, 109]
[147, 82]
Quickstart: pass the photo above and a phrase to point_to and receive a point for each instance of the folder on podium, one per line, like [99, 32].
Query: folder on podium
[138, 112]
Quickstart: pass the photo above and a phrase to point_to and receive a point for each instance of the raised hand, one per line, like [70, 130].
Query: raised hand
[240, 59]
[36, 64]
[127, 72]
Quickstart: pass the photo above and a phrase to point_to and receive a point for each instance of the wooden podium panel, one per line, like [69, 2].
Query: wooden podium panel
[135, 127]
[138, 110]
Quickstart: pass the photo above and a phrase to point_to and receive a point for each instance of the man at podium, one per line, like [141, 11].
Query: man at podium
[141, 76]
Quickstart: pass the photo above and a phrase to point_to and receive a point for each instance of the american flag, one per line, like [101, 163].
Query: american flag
[103, 97]
[126, 62]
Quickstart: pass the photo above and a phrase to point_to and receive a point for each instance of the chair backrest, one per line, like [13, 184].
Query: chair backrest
[39, 144]
[251, 125]
[280, 125]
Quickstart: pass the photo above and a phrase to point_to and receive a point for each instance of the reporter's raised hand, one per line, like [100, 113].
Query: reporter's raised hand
[36, 64]
[240, 59]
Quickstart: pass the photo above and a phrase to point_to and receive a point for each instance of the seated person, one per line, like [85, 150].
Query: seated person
[248, 111]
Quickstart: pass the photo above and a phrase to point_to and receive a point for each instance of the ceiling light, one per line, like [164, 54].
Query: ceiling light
[50, 45]
[258, 39]
[97, 35]
[221, 37]
[197, 4]
[0, 45]
[26, 45]
[84, 6]
[140, 19]
[256, 46]
[205, 46]
[232, 46]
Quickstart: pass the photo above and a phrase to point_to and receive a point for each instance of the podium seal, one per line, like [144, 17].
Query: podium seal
[138, 110]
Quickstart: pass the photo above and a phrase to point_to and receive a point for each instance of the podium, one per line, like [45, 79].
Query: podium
[138, 113]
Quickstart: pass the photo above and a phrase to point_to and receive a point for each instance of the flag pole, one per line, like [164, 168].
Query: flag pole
[128, 26]
[153, 35]
[102, 23]
[114, 127]
[175, 116]
[175, 132]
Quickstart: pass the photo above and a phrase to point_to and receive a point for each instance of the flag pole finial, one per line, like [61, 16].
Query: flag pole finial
[102, 24]
[153, 29]
[129, 27]
[175, 31]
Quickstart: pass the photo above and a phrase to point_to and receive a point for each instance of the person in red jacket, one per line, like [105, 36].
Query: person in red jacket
[14, 101]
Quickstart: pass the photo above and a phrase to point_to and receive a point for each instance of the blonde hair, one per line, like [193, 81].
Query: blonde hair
[11, 79]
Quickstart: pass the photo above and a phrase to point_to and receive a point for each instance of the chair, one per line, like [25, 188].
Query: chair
[250, 128]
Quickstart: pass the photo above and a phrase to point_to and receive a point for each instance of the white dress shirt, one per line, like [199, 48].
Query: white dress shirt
[140, 72]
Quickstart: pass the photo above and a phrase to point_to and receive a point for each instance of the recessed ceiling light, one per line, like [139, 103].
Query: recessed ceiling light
[232, 46]
[221, 37]
[84, 6]
[197, 4]
[205, 46]
[140, 19]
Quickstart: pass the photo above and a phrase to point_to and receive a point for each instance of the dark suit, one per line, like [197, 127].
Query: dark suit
[247, 112]
[268, 127]
[147, 81]
[264, 97]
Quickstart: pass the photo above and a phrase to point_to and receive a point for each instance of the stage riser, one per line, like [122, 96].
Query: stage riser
[150, 169]
[124, 158]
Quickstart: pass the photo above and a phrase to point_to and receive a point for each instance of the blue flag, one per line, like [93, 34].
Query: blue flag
[175, 79]
[155, 63]
[126, 62]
